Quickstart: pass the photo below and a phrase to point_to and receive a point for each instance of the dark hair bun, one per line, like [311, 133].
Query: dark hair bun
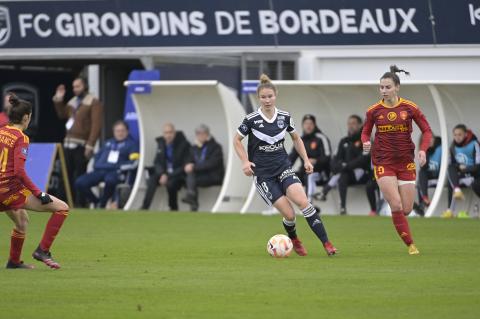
[13, 99]
[395, 69]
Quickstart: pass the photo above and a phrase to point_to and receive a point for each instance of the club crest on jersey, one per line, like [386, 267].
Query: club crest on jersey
[392, 116]
[243, 128]
[411, 166]
[281, 123]
[403, 115]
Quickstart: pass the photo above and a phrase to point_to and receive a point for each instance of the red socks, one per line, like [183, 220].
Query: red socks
[53, 227]
[401, 225]
[16, 245]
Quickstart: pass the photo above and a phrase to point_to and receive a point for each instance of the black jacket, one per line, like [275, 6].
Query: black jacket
[317, 146]
[181, 154]
[350, 154]
[212, 164]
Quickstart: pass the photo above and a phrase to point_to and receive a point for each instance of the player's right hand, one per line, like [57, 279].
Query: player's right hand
[44, 198]
[308, 167]
[60, 93]
[247, 168]
[367, 146]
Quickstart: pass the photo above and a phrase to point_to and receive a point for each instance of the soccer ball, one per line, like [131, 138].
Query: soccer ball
[279, 246]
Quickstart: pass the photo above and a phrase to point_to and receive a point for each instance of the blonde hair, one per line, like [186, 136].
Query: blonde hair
[266, 83]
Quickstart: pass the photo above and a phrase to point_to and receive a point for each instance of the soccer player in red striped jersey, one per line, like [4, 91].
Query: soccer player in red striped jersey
[393, 150]
[17, 191]
[18, 216]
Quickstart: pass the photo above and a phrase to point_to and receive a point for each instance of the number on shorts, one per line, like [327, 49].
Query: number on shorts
[381, 170]
[265, 187]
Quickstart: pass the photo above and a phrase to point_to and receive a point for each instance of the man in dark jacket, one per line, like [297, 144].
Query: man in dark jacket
[319, 153]
[115, 153]
[205, 167]
[349, 166]
[173, 151]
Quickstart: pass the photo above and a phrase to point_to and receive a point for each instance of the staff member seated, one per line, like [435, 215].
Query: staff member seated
[173, 152]
[349, 166]
[464, 167]
[116, 152]
[428, 173]
[205, 167]
[319, 153]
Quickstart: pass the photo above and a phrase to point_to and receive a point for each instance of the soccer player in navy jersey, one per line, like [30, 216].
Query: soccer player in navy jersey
[268, 162]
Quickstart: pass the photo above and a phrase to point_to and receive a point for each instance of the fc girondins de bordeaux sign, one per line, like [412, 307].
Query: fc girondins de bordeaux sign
[165, 23]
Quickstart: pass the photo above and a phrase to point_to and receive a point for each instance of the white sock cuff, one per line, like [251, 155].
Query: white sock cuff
[309, 211]
[289, 222]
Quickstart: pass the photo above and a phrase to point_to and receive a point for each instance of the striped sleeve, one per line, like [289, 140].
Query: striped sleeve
[245, 128]
[291, 125]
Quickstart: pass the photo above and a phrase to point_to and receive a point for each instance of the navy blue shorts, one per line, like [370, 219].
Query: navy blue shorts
[272, 188]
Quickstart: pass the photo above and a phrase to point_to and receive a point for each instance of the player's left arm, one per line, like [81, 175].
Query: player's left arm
[300, 148]
[20, 156]
[427, 135]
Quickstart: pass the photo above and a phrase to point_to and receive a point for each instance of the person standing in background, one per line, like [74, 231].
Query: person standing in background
[84, 116]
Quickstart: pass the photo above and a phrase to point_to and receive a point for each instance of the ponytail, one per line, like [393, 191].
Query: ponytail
[392, 74]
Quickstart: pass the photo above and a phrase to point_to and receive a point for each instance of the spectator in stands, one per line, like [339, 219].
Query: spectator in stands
[173, 153]
[349, 166]
[116, 152]
[84, 116]
[428, 172]
[205, 167]
[464, 167]
[319, 153]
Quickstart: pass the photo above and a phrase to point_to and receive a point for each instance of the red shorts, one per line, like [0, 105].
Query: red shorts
[403, 172]
[13, 199]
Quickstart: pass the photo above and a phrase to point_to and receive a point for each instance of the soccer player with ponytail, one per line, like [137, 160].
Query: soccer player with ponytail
[268, 162]
[393, 150]
[18, 192]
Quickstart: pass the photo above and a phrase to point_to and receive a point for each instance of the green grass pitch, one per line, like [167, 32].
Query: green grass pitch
[187, 265]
